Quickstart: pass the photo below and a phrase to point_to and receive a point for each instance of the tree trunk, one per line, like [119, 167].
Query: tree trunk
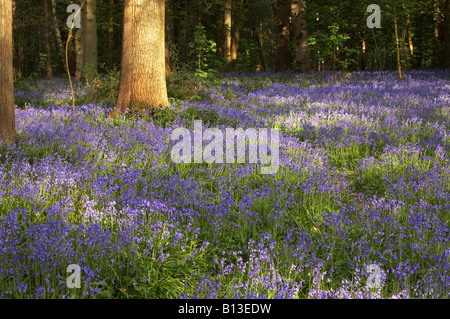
[58, 34]
[90, 38]
[48, 61]
[110, 35]
[235, 36]
[399, 65]
[168, 32]
[7, 109]
[409, 35]
[79, 52]
[302, 58]
[281, 13]
[142, 77]
[259, 39]
[227, 27]
[438, 37]
[447, 33]
[363, 55]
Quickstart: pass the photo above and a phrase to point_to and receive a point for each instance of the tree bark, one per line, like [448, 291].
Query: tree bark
[7, 109]
[79, 53]
[399, 65]
[447, 34]
[302, 58]
[235, 35]
[227, 27]
[259, 39]
[110, 35]
[58, 34]
[142, 77]
[281, 13]
[438, 55]
[168, 32]
[48, 61]
[409, 35]
[90, 38]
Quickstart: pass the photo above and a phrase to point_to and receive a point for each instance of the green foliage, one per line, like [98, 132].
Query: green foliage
[202, 48]
[100, 87]
[182, 85]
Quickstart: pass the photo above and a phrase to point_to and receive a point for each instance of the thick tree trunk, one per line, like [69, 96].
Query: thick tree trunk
[302, 58]
[235, 35]
[227, 27]
[90, 38]
[7, 109]
[142, 77]
[168, 32]
[48, 61]
[281, 13]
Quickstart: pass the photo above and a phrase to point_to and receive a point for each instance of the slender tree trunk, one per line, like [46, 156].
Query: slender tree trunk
[58, 35]
[48, 61]
[110, 35]
[142, 77]
[227, 27]
[7, 109]
[363, 55]
[259, 42]
[235, 36]
[447, 34]
[438, 37]
[398, 45]
[79, 53]
[281, 13]
[409, 35]
[302, 58]
[90, 38]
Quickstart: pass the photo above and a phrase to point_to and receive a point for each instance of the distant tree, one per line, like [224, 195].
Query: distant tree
[281, 10]
[90, 38]
[142, 77]
[235, 35]
[7, 111]
[227, 27]
[302, 59]
[58, 33]
[48, 61]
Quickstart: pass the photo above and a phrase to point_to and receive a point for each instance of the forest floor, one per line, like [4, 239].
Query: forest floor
[358, 208]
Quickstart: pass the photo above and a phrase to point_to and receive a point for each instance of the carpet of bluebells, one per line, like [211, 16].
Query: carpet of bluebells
[364, 179]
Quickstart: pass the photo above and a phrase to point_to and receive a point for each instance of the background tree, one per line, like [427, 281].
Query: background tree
[302, 59]
[48, 54]
[281, 10]
[90, 39]
[264, 35]
[7, 110]
[142, 78]
[227, 28]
